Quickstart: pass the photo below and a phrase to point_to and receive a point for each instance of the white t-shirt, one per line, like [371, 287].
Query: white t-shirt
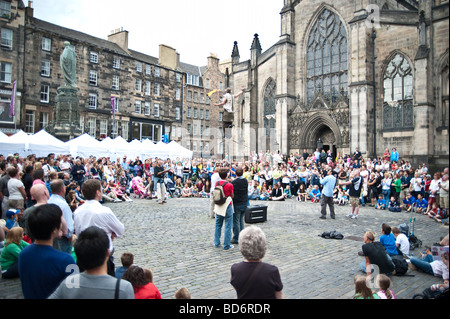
[229, 104]
[13, 188]
[403, 241]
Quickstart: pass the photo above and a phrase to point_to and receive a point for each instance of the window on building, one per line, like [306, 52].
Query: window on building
[177, 113]
[5, 9]
[92, 126]
[147, 109]
[93, 57]
[196, 97]
[138, 85]
[93, 76]
[125, 129]
[44, 116]
[147, 88]
[269, 107]
[148, 69]
[207, 83]
[116, 82]
[195, 112]
[116, 104]
[156, 110]
[137, 106]
[46, 44]
[7, 38]
[5, 72]
[178, 77]
[45, 68]
[188, 129]
[157, 89]
[82, 123]
[157, 71]
[326, 59]
[92, 101]
[201, 114]
[177, 94]
[207, 115]
[189, 112]
[398, 110]
[189, 96]
[138, 67]
[45, 93]
[116, 63]
[29, 121]
[195, 130]
[103, 128]
[114, 129]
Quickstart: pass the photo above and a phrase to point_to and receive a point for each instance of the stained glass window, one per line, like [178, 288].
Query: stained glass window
[326, 58]
[269, 107]
[398, 93]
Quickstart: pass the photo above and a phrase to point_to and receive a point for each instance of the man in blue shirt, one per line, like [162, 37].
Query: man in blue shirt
[328, 183]
[58, 189]
[41, 267]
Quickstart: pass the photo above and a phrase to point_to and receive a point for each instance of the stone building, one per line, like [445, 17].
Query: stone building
[349, 74]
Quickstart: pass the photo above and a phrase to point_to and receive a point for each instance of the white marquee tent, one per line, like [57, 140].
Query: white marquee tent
[42, 143]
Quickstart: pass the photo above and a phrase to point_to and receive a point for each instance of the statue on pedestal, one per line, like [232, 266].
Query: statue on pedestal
[68, 62]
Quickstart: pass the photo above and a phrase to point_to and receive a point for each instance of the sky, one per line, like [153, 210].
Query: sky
[194, 28]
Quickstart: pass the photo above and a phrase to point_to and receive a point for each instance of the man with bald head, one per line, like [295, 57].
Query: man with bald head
[40, 194]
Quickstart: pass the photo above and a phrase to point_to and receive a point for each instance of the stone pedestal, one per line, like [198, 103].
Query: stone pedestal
[66, 120]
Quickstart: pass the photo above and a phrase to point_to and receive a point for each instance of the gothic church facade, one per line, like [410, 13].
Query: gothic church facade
[348, 74]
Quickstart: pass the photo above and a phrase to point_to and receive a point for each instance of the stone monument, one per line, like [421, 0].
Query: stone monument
[66, 120]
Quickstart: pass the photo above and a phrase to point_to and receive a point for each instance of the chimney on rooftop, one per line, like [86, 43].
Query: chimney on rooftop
[29, 10]
[119, 37]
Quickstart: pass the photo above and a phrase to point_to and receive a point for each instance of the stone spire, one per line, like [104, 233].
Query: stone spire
[256, 45]
[235, 54]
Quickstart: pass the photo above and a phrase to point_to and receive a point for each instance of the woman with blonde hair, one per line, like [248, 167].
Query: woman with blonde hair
[10, 253]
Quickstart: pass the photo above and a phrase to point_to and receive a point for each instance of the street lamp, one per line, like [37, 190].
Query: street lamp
[319, 143]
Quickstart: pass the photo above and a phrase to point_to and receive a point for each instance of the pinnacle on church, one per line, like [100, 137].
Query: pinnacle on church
[256, 45]
[235, 52]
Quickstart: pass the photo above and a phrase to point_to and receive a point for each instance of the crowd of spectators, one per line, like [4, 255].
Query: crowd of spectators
[29, 184]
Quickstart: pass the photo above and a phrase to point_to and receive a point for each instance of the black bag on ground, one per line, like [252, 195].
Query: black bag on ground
[332, 235]
[401, 266]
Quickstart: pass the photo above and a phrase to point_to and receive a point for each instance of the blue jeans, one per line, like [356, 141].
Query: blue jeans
[228, 218]
[238, 221]
[386, 194]
[423, 265]
[362, 266]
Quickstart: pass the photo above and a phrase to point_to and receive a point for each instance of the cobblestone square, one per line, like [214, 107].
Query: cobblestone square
[175, 240]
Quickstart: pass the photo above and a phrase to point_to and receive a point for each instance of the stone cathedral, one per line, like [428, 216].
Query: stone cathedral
[348, 74]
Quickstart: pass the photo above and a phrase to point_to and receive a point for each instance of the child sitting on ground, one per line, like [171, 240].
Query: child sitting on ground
[301, 193]
[315, 194]
[384, 283]
[381, 203]
[394, 206]
[421, 204]
[342, 196]
[408, 203]
[127, 260]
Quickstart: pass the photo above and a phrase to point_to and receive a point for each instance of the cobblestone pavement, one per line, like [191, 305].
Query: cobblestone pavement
[175, 240]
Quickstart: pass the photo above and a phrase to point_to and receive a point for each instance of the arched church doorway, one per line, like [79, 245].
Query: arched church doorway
[325, 139]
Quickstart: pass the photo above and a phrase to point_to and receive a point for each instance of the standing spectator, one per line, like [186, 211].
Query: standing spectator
[41, 196]
[64, 243]
[16, 190]
[252, 278]
[240, 202]
[27, 180]
[214, 179]
[329, 183]
[92, 213]
[78, 172]
[4, 193]
[91, 249]
[356, 184]
[41, 267]
[394, 155]
[443, 192]
[224, 213]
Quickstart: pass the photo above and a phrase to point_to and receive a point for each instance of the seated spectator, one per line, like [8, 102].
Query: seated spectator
[301, 193]
[127, 259]
[381, 203]
[401, 241]
[438, 268]
[375, 254]
[315, 194]
[186, 191]
[277, 193]
[143, 288]
[388, 240]
[254, 193]
[10, 253]
[408, 203]
[421, 205]
[384, 283]
[182, 293]
[252, 278]
[42, 267]
[362, 290]
[92, 250]
[393, 205]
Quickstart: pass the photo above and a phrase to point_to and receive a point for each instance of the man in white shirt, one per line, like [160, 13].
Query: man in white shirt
[227, 101]
[92, 213]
